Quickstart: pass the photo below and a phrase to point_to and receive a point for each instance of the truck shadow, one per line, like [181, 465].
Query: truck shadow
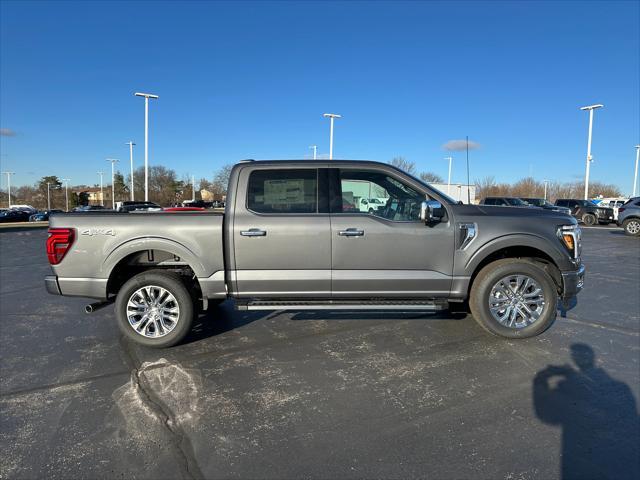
[597, 414]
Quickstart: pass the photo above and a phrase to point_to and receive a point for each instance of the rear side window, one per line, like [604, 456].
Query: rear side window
[562, 203]
[283, 191]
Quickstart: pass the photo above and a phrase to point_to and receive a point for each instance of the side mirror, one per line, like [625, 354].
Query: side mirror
[431, 211]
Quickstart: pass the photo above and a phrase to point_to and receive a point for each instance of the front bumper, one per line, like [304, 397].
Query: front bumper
[51, 284]
[572, 283]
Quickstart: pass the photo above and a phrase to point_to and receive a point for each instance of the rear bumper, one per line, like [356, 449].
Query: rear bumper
[51, 284]
[572, 283]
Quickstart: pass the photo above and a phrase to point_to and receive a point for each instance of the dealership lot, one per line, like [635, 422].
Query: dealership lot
[320, 394]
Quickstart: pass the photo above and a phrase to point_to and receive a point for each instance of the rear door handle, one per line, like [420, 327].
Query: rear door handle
[253, 232]
[351, 232]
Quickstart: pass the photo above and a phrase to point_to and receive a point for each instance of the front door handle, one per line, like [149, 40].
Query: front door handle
[253, 232]
[351, 232]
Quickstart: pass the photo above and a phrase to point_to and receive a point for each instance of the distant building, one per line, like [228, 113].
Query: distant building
[92, 194]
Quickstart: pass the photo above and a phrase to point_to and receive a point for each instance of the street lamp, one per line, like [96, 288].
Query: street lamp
[635, 175]
[131, 144]
[331, 116]
[101, 193]
[315, 151]
[450, 158]
[113, 181]
[590, 108]
[193, 188]
[48, 197]
[8, 174]
[66, 192]
[546, 182]
[146, 96]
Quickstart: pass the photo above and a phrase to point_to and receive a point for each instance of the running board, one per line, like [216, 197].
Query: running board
[421, 305]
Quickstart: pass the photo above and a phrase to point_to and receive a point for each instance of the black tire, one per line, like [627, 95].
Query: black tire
[632, 226]
[175, 286]
[492, 274]
[589, 219]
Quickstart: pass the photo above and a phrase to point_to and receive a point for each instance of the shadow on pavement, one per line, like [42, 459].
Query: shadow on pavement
[598, 416]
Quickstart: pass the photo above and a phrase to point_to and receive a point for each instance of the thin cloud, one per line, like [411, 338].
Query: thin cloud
[7, 132]
[460, 145]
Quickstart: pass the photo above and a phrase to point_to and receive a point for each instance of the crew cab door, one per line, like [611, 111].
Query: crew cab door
[281, 233]
[386, 252]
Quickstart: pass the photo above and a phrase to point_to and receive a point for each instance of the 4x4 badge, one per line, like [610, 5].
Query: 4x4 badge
[98, 231]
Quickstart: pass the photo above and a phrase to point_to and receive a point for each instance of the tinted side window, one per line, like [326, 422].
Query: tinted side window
[489, 201]
[283, 191]
[562, 203]
[376, 193]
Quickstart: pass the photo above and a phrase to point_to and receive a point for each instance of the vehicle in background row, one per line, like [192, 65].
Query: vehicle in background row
[139, 207]
[89, 208]
[586, 211]
[43, 216]
[629, 216]
[505, 202]
[13, 215]
[291, 240]
[370, 205]
[542, 203]
[183, 209]
[614, 203]
[24, 208]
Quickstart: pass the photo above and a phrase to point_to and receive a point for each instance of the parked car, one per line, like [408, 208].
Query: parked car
[197, 203]
[287, 242]
[586, 211]
[542, 203]
[14, 215]
[89, 208]
[614, 203]
[43, 216]
[505, 202]
[370, 205]
[24, 208]
[629, 216]
[217, 204]
[139, 206]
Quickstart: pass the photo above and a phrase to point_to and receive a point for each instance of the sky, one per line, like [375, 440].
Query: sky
[244, 80]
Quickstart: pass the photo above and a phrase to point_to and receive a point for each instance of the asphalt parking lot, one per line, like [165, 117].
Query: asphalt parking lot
[318, 394]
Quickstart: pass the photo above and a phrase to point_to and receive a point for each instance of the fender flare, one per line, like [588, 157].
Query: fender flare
[152, 243]
[516, 240]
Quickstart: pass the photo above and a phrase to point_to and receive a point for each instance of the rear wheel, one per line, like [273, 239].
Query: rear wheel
[514, 298]
[589, 219]
[154, 309]
[632, 226]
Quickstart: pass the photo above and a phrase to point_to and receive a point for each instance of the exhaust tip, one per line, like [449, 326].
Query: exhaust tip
[88, 309]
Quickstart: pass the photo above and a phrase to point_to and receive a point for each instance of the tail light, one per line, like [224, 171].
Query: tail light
[621, 209]
[59, 243]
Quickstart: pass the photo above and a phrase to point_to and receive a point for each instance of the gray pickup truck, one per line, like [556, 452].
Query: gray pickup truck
[294, 236]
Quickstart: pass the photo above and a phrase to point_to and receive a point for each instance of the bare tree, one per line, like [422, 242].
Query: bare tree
[431, 177]
[403, 164]
[221, 180]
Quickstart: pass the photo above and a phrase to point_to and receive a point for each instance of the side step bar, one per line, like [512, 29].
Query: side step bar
[421, 305]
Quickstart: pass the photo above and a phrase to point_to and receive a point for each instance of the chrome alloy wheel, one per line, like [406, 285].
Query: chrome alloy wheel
[516, 301]
[633, 227]
[152, 311]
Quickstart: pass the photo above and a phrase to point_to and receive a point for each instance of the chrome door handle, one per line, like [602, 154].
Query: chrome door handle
[351, 232]
[253, 232]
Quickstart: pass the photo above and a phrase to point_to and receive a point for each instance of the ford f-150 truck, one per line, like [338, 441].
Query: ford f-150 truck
[292, 238]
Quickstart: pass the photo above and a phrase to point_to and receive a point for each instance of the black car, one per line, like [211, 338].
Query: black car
[542, 203]
[43, 216]
[133, 206]
[505, 202]
[14, 216]
[587, 212]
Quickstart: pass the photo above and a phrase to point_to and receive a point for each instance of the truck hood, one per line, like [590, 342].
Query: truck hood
[514, 212]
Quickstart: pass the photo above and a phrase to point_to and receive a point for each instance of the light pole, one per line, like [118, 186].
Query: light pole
[635, 175]
[66, 192]
[101, 192]
[590, 108]
[450, 158]
[8, 174]
[146, 96]
[331, 116]
[48, 197]
[546, 182]
[113, 181]
[315, 151]
[131, 144]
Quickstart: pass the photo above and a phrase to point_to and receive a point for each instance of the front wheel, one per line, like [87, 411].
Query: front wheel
[589, 219]
[154, 309]
[514, 298]
[632, 226]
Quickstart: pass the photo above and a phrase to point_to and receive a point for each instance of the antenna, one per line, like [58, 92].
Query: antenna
[468, 186]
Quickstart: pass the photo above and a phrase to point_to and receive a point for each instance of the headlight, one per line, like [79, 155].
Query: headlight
[571, 238]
